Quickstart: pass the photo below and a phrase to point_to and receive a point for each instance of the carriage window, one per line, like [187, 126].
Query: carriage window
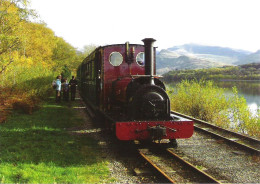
[89, 71]
[93, 70]
[140, 58]
[116, 58]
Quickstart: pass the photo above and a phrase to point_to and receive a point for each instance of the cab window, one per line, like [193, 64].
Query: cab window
[140, 59]
[115, 58]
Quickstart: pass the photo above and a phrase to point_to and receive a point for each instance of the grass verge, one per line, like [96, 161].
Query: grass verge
[37, 148]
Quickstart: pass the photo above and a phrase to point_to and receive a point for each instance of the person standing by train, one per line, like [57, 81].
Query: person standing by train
[73, 86]
[58, 89]
[65, 90]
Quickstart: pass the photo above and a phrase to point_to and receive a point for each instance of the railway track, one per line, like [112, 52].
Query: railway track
[174, 168]
[180, 173]
[246, 143]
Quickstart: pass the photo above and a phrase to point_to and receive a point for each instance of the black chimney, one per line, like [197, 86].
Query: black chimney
[149, 57]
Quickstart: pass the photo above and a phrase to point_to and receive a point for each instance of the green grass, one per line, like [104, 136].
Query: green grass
[38, 148]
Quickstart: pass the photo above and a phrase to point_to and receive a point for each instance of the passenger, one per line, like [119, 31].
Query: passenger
[58, 89]
[62, 79]
[73, 86]
[65, 90]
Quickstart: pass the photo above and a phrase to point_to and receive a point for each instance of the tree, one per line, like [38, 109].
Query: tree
[66, 72]
[83, 54]
[88, 49]
[13, 16]
[63, 54]
[40, 43]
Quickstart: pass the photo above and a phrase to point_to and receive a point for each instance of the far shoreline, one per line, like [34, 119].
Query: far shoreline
[237, 80]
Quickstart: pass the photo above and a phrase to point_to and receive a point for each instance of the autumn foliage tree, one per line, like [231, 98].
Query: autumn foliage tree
[31, 55]
[11, 31]
[63, 54]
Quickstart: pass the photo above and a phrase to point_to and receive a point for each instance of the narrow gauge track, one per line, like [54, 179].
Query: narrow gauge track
[208, 167]
[246, 143]
[174, 168]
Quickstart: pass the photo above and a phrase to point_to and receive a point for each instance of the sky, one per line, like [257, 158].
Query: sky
[226, 23]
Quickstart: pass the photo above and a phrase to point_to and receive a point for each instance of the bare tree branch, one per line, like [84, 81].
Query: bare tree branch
[4, 67]
[10, 47]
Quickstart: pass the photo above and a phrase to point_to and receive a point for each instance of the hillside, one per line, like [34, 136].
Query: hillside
[211, 50]
[168, 60]
[242, 72]
[251, 58]
[193, 56]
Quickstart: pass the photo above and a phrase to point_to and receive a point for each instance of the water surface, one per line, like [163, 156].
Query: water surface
[250, 90]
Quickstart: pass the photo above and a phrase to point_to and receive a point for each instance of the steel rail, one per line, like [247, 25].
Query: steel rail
[216, 127]
[192, 168]
[231, 141]
[238, 137]
[188, 164]
[157, 168]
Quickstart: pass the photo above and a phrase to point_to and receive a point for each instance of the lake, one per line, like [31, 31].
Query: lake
[250, 90]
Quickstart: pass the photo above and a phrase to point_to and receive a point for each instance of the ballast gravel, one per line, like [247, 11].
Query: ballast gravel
[225, 162]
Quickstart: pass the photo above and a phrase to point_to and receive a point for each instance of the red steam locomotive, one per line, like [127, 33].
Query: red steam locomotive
[120, 83]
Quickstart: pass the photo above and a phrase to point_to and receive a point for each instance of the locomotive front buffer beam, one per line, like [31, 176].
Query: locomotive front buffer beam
[154, 130]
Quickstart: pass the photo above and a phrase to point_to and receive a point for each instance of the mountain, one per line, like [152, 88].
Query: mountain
[169, 60]
[251, 58]
[194, 56]
[211, 50]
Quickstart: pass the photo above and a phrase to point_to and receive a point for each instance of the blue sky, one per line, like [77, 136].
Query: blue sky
[227, 23]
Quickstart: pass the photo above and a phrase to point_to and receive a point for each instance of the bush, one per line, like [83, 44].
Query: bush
[204, 100]
[24, 87]
[240, 116]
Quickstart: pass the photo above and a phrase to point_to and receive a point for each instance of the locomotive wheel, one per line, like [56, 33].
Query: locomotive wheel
[173, 143]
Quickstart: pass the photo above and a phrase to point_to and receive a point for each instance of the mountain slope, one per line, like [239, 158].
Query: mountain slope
[168, 60]
[194, 56]
[251, 58]
[212, 50]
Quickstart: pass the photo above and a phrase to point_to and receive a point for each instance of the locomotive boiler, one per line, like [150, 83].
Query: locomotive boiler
[120, 83]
